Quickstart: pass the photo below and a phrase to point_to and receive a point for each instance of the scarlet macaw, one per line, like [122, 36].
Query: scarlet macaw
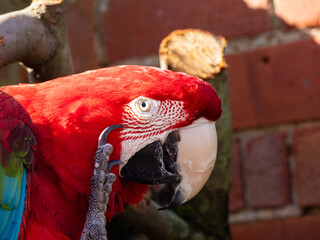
[168, 137]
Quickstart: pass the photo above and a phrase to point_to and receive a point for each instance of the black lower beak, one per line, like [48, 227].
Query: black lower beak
[176, 200]
[155, 163]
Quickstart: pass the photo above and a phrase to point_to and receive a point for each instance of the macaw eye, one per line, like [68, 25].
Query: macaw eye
[144, 105]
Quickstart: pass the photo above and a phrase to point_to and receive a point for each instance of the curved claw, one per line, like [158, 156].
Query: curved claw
[111, 164]
[104, 134]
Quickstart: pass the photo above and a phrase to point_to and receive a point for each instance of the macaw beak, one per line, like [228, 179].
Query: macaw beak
[185, 159]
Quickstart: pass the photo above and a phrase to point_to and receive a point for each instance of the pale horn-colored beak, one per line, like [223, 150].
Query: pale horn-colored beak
[197, 151]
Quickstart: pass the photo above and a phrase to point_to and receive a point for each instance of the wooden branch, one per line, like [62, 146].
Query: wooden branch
[193, 51]
[36, 36]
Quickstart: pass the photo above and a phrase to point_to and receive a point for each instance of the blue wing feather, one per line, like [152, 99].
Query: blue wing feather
[11, 225]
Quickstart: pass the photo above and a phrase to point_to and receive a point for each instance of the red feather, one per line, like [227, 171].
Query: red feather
[69, 113]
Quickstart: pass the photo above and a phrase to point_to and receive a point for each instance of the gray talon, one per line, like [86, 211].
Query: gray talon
[101, 186]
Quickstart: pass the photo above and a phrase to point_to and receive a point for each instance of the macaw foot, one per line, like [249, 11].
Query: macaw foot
[101, 186]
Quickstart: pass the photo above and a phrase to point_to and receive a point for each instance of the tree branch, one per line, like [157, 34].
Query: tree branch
[193, 51]
[36, 36]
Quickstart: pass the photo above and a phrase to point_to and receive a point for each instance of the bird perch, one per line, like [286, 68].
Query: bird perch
[36, 37]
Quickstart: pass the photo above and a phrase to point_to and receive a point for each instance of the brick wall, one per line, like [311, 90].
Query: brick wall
[274, 73]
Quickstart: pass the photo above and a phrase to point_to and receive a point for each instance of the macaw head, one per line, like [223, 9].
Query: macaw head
[169, 133]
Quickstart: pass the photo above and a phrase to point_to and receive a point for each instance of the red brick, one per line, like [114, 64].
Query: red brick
[303, 228]
[236, 201]
[299, 13]
[266, 171]
[136, 28]
[81, 34]
[276, 84]
[307, 165]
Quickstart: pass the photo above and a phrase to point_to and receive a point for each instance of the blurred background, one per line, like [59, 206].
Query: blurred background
[273, 58]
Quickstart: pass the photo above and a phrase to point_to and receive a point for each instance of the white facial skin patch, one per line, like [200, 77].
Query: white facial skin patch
[149, 120]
